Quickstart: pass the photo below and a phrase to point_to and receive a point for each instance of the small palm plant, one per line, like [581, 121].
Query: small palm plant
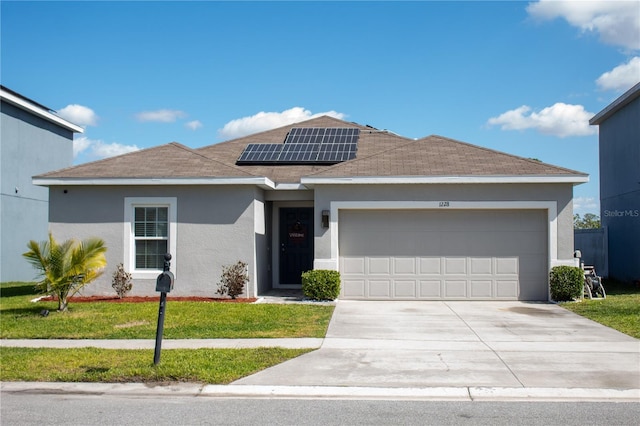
[67, 267]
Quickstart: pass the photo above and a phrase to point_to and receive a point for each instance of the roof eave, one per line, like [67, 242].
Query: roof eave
[261, 182]
[625, 99]
[373, 180]
[38, 111]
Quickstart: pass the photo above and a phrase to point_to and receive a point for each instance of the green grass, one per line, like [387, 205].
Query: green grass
[620, 310]
[21, 319]
[214, 366]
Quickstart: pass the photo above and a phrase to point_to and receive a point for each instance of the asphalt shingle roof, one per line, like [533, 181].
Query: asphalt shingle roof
[380, 154]
[171, 160]
[440, 156]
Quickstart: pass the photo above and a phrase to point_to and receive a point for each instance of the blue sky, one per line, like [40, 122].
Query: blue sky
[516, 76]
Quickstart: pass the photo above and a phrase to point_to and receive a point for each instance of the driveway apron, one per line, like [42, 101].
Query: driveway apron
[451, 344]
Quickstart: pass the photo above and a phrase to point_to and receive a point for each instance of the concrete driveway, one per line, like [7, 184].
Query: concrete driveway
[462, 344]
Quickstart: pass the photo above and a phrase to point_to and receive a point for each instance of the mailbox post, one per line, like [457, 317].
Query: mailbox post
[164, 284]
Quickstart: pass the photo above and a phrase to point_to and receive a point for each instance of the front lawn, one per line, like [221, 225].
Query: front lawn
[21, 319]
[620, 310]
[213, 366]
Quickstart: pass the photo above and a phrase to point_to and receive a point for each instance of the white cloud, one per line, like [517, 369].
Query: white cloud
[94, 149]
[103, 150]
[617, 22]
[621, 77]
[80, 145]
[583, 205]
[193, 125]
[161, 115]
[269, 120]
[558, 120]
[79, 114]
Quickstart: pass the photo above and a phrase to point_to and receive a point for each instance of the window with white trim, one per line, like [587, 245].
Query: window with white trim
[151, 235]
[150, 232]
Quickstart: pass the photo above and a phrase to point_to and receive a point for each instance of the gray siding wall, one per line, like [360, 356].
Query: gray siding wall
[215, 227]
[29, 146]
[562, 193]
[592, 243]
[620, 190]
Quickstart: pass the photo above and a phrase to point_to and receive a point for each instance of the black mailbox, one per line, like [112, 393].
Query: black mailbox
[164, 283]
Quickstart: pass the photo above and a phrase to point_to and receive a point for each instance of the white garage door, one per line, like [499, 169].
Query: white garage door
[438, 254]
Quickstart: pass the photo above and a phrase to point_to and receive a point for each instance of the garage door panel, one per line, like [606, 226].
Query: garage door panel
[507, 289]
[481, 289]
[430, 289]
[353, 265]
[405, 289]
[455, 265]
[430, 265]
[481, 265]
[507, 266]
[435, 254]
[380, 289]
[378, 265]
[455, 289]
[353, 288]
[404, 266]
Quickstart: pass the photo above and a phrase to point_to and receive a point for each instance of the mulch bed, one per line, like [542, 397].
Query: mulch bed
[141, 299]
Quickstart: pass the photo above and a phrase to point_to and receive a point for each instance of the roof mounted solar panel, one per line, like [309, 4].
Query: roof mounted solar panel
[261, 153]
[306, 145]
[299, 152]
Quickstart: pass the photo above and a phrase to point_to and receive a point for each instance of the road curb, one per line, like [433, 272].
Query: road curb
[335, 392]
[553, 394]
[326, 392]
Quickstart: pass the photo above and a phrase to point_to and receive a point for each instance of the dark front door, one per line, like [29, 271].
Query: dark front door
[296, 243]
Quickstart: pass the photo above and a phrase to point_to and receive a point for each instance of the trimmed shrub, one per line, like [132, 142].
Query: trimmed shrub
[566, 283]
[121, 282]
[321, 284]
[233, 279]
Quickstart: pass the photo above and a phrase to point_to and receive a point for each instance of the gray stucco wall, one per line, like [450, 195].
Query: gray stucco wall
[217, 224]
[620, 190]
[215, 227]
[561, 193]
[29, 146]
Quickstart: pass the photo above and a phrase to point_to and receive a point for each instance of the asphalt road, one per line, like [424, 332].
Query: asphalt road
[68, 409]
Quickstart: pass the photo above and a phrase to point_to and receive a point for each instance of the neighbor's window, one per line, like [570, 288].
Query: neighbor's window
[151, 235]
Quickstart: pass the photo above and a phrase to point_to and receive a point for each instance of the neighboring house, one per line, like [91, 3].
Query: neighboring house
[400, 218]
[33, 140]
[620, 183]
[592, 245]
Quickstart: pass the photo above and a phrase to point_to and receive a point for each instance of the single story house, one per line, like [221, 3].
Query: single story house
[399, 218]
